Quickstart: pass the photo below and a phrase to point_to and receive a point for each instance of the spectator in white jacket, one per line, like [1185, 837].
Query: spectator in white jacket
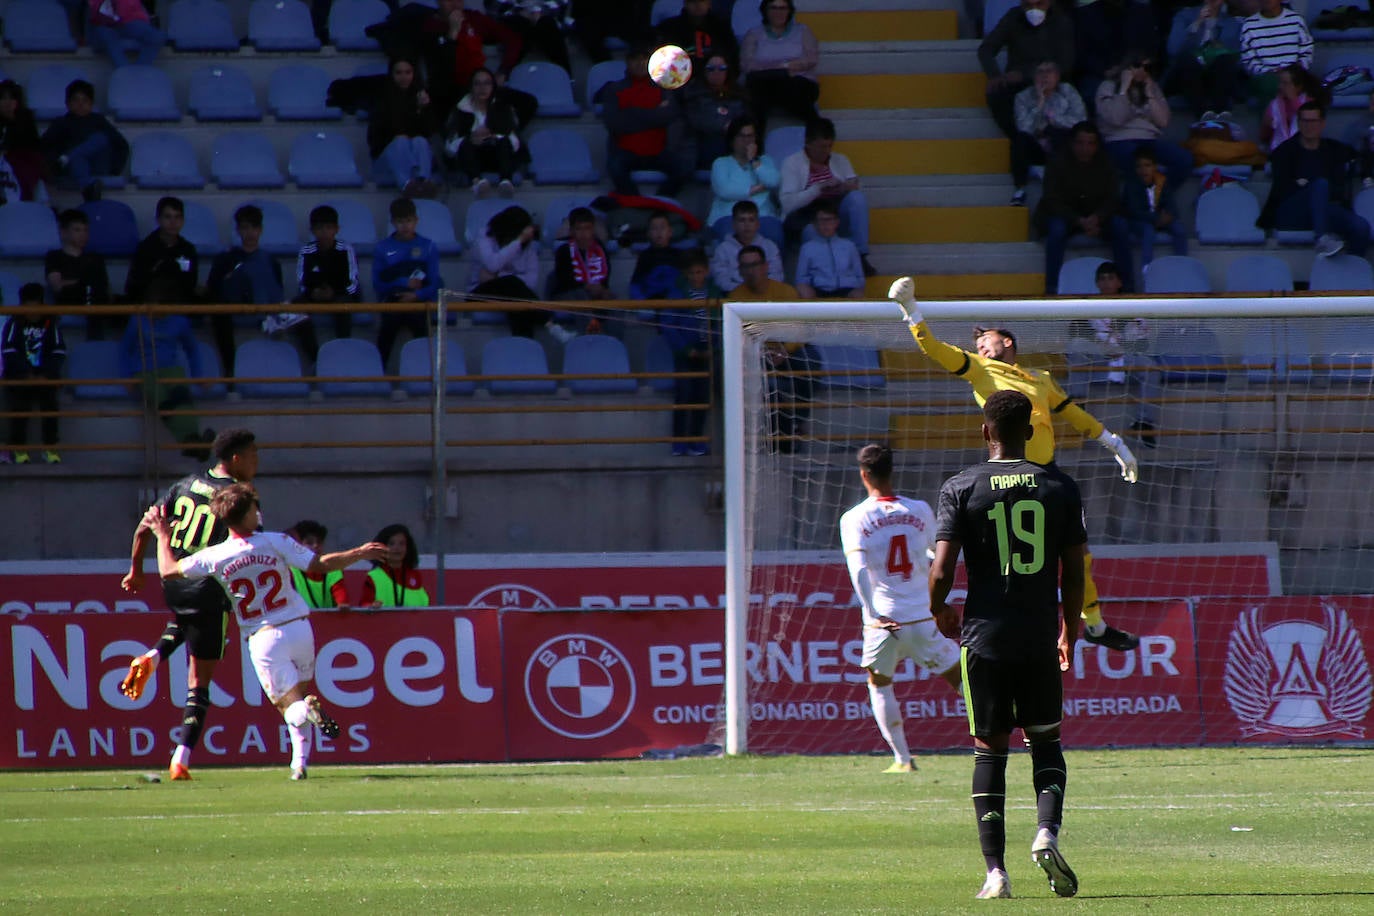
[818, 173]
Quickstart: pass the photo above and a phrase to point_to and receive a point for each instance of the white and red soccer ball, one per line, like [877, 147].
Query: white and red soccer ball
[670, 67]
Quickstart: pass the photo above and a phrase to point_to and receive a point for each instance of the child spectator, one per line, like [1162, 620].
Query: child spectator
[714, 102]
[581, 267]
[829, 266]
[778, 59]
[1279, 121]
[817, 172]
[1045, 113]
[746, 173]
[83, 145]
[405, 268]
[164, 253]
[1131, 110]
[1149, 205]
[395, 581]
[647, 128]
[481, 136]
[398, 131]
[702, 34]
[1270, 40]
[1204, 58]
[32, 350]
[689, 335]
[325, 590]
[327, 270]
[76, 276]
[539, 23]
[656, 268]
[248, 274]
[19, 144]
[507, 268]
[115, 22]
[725, 261]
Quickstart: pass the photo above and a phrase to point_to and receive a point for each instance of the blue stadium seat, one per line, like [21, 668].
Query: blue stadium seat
[114, 229]
[479, 213]
[658, 357]
[1226, 216]
[1189, 355]
[349, 356]
[279, 232]
[141, 92]
[1341, 273]
[1258, 273]
[665, 9]
[559, 156]
[96, 359]
[244, 159]
[608, 71]
[262, 358]
[550, 84]
[37, 26]
[1176, 274]
[46, 89]
[9, 288]
[781, 142]
[994, 10]
[223, 93]
[436, 224]
[1364, 205]
[209, 368]
[201, 25]
[28, 229]
[348, 20]
[297, 92]
[356, 225]
[593, 355]
[164, 160]
[848, 358]
[744, 17]
[281, 25]
[417, 359]
[201, 230]
[516, 356]
[321, 159]
[1078, 276]
[555, 211]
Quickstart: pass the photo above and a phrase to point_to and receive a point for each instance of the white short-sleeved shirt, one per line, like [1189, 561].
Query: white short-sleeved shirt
[890, 536]
[256, 574]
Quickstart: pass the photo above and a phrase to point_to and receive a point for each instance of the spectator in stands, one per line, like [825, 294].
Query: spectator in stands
[539, 23]
[327, 269]
[405, 268]
[454, 50]
[596, 20]
[647, 128]
[788, 385]
[1131, 110]
[656, 268]
[746, 173]
[829, 266]
[507, 269]
[1311, 187]
[714, 103]
[1105, 32]
[688, 334]
[148, 352]
[76, 276]
[1149, 204]
[702, 34]
[1279, 121]
[165, 253]
[19, 144]
[581, 267]
[1082, 195]
[83, 145]
[114, 22]
[32, 350]
[817, 173]
[1033, 32]
[398, 132]
[1046, 112]
[725, 261]
[248, 274]
[1270, 40]
[1204, 58]
[482, 136]
[395, 581]
[325, 590]
[1125, 345]
[778, 60]
[757, 283]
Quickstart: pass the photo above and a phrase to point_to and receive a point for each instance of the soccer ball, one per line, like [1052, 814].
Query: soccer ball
[670, 67]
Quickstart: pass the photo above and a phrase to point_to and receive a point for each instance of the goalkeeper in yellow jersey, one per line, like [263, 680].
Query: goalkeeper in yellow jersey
[993, 368]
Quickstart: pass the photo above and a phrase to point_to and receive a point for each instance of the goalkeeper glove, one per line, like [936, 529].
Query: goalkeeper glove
[1130, 470]
[903, 292]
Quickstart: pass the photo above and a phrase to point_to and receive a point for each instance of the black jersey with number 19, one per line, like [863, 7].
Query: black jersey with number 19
[1013, 519]
[194, 527]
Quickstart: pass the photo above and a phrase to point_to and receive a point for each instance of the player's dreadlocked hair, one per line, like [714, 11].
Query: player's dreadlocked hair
[876, 460]
[1008, 412]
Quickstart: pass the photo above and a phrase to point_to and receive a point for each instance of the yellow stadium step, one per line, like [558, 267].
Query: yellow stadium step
[943, 225]
[900, 90]
[966, 156]
[965, 286]
[889, 25]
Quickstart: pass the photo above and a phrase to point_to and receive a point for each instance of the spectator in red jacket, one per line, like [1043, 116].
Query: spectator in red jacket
[648, 128]
[455, 50]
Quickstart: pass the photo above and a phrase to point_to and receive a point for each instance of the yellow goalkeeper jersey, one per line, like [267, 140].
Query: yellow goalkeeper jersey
[989, 375]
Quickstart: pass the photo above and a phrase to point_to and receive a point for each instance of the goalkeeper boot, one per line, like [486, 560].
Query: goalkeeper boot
[178, 773]
[997, 885]
[316, 714]
[1112, 638]
[899, 767]
[1045, 853]
[140, 669]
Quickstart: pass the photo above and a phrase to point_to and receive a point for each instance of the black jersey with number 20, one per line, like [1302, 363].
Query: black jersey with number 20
[194, 527]
[1013, 519]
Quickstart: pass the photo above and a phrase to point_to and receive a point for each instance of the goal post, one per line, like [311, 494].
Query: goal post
[1249, 416]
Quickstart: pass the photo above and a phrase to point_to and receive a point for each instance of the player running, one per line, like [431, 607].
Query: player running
[253, 570]
[993, 368]
[885, 539]
[200, 608]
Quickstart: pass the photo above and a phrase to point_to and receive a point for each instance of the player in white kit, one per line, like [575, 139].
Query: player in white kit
[885, 539]
[254, 569]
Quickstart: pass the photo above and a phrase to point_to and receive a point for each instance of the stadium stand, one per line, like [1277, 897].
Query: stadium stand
[201, 25]
[516, 356]
[88, 360]
[356, 225]
[1176, 274]
[436, 224]
[222, 93]
[348, 21]
[417, 358]
[561, 157]
[244, 159]
[27, 229]
[37, 27]
[352, 359]
[164, 160]
[323, 159]
[201, 230]
[298, 92]
[1258, 273]
[259, 359]
[113, 228]
[281, 25]
[1078, 276]
[142, 92]
[596, 356]
[550, 84]
[45, 89]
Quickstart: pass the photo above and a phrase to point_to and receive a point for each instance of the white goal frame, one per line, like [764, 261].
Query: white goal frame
[736, 315]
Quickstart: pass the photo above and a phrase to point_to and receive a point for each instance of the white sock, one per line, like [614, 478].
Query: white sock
[152, 656]
[182, 755]
[888, 713]
[297, 714]
[300, 745]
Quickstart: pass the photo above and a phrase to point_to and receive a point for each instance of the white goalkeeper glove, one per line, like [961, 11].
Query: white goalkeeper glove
[1130, 470]
[903, 292]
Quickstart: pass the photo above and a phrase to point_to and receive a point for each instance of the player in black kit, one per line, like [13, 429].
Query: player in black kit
[1020, 526]
[200, 606]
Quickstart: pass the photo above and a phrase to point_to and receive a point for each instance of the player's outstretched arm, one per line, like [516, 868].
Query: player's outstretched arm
[949, 358]
[329, 562]
[903, 292]
[1130, 468]
[155, 520]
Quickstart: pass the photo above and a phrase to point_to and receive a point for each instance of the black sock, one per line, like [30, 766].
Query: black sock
[989, 802]
[1050, 774]
[170, 640]
[193, 717]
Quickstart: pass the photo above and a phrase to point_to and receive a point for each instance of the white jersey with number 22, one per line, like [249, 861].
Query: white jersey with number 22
[256, 573]
[889, 536]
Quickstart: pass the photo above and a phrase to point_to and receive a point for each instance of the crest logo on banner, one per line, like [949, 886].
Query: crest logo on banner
[579, 686]
[513, 598]
[1298, 678]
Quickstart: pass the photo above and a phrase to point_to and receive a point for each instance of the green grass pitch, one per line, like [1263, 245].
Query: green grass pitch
[1218, 831]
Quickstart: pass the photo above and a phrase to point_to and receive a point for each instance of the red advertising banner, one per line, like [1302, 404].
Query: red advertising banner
[1287, 669]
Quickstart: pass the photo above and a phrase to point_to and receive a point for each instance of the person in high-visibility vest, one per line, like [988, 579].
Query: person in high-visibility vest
[328, 590]
[395, 582]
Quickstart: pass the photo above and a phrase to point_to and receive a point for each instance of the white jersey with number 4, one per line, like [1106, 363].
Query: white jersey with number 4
[889, 536]
[256, 573]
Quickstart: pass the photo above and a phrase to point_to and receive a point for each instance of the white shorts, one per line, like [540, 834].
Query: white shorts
[283, 656]
[921, 641]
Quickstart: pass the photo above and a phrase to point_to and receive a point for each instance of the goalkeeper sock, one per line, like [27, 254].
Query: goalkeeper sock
[170, 640]
[887, 711]
[989, 803]
[1049, 774]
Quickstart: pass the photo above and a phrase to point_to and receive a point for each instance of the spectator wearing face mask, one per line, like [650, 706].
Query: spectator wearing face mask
[1030, 33]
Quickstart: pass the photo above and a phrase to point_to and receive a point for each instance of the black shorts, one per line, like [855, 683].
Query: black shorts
[202, 615]
[1023, 691]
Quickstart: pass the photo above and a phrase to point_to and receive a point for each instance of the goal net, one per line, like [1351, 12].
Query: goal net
[1249, 418]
